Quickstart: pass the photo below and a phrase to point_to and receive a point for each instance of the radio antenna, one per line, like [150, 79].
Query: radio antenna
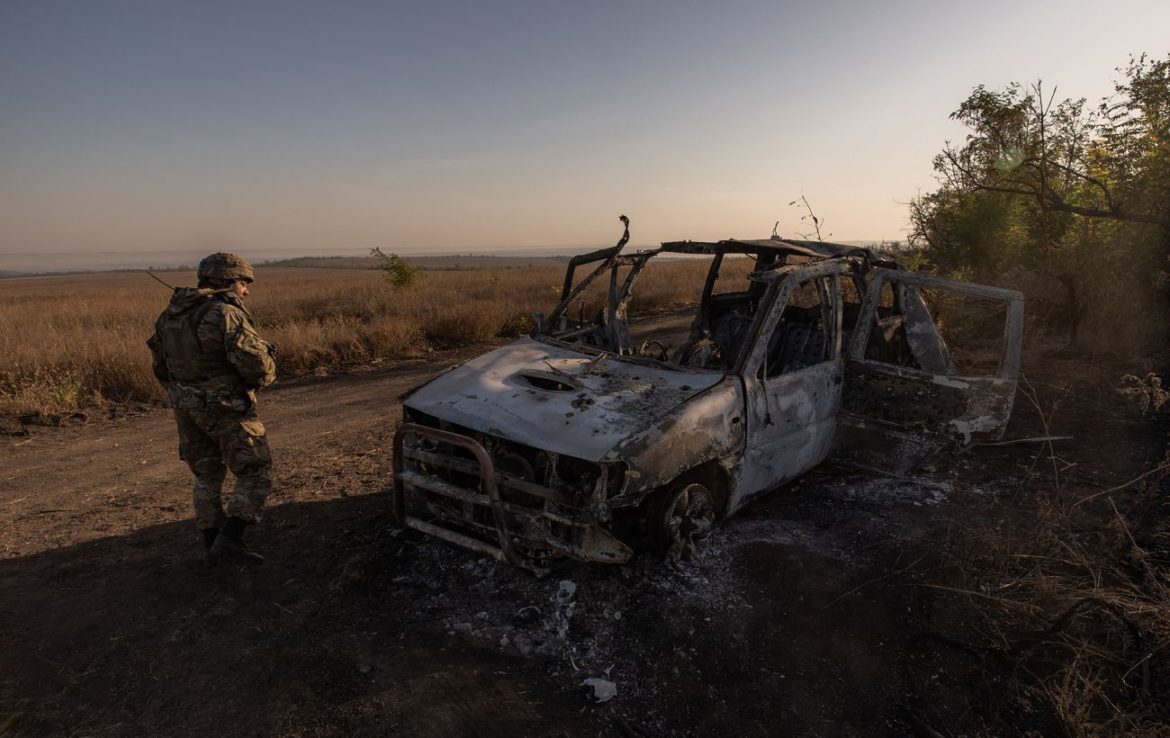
[164, 284]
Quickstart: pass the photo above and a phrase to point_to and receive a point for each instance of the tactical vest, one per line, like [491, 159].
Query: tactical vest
[187, 359]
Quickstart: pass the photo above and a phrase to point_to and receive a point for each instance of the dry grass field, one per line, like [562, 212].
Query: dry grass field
[78, 341]
[447, 262]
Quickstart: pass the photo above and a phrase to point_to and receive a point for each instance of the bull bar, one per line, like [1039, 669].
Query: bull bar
[510, 523]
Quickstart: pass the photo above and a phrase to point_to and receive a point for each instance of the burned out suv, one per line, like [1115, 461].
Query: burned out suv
[599, 431]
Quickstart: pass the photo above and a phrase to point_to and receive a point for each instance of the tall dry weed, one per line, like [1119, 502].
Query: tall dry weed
[78, 341]
[1070, 593]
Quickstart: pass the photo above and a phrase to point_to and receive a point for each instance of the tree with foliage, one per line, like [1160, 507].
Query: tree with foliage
[1109, 164]
[1071, 205]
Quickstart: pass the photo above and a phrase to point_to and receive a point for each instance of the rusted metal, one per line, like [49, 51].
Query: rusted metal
[513, 524]
[895, 416]
[487, 482]
[1013, 328]
[566, 432]
[605, 256]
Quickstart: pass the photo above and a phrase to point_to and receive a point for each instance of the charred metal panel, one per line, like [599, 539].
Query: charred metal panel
[778, 246]
[905, 398]
[894, 416]
[792, 416]
[602, 255]
[1009, 367]
[781, 283]
[910, 399]
[868, 440]
[709, 427]
[792, 422]
[558, 399]
[870, 444]
[926, 345]
[617, 325]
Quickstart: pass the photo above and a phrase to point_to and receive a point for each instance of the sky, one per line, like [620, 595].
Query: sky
[288, 127]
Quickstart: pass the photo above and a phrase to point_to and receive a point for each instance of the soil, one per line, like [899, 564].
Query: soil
[806, 614]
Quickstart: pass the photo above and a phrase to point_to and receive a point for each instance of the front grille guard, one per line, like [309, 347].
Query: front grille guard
[484, 510]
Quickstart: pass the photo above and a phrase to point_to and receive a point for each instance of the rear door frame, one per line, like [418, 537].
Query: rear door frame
[893, 415]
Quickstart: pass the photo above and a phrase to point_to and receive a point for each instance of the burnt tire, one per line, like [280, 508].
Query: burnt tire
[680, 519]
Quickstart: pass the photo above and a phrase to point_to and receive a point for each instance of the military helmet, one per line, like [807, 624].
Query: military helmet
[224, 267]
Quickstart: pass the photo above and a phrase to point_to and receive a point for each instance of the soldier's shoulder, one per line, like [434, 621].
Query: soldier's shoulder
[220, 312]
[227, 312]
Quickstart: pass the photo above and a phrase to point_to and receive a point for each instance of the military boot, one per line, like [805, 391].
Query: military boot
[209, 536]
[229, 544]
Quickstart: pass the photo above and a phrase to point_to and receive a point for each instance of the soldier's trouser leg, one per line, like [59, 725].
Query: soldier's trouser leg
[245, 449]
[204, 458]
[238, 438]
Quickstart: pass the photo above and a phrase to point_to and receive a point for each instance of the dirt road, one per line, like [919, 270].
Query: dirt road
[78, 483]
[801, 619]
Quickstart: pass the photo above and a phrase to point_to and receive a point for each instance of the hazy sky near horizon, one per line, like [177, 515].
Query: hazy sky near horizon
[458, 125]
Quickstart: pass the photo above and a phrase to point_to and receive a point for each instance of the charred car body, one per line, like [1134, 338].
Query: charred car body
[592, 433]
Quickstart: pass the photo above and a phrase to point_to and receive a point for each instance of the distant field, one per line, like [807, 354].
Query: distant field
[78, 341]
[450, 262]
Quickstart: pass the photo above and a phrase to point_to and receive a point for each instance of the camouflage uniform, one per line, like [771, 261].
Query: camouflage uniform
[207, 354]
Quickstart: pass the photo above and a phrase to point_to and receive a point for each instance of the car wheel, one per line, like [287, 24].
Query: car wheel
[680, 520]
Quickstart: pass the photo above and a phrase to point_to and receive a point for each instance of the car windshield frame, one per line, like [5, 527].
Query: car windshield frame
[608, 334]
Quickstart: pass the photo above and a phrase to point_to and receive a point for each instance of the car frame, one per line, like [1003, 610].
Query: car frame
[573, 442]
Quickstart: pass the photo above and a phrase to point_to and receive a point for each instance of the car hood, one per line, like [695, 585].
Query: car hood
[557, 399]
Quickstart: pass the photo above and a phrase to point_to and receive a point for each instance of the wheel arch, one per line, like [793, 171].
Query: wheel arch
[711, 475]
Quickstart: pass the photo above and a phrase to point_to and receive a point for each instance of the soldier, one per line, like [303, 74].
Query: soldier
[209, 357]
